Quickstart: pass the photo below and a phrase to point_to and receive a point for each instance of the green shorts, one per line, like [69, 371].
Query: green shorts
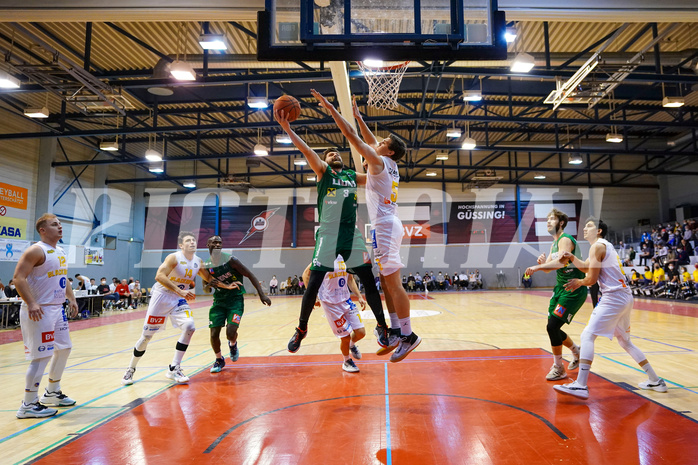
[352, 247]
[564, 304]
[229, 312]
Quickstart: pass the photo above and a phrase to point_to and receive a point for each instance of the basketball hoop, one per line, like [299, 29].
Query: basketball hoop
[383, 84]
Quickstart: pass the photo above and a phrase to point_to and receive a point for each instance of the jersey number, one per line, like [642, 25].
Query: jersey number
[393, 192]
[188, 273]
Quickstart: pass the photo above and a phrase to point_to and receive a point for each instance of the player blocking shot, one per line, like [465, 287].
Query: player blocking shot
[341, 313]
[170, 297]
[337, 234]
[226, 273]
[611, 317]
[382, 184]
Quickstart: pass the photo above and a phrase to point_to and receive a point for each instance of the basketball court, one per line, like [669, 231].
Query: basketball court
[473, 392]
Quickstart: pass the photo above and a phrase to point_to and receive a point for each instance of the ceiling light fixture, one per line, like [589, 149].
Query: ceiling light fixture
[443, 156]
[261, 150]
[311, 178]
[469, 143]
[299, 162]
[158, 167]
[472, 96]
[182, 71]
[153, 156]
[36, 112]
[373, 63]
[454, 132]
[510, 34]
[8, 81]
[575, 159]
[523, 63]
[614, 137]
[431, 173]
[189, 184]
[539, 176]
[283, 139]
[258, 102]
[212, 42]
[109, 145]
[673, 102]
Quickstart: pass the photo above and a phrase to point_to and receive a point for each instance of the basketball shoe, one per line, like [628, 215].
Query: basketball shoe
[574, 364]
[393, 342]
[35, 410]
[56, 399]
[350, 367]
[355, 352]
[407, 345]
[175, 373]
[381, 333]
[295, 342]
[127, 380]
[659, 386]
[234, 352]
[555, 373]
[218, 365]
[573, 389]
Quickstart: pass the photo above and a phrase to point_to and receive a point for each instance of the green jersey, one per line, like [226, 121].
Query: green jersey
[227, 275]
[336, 199]
[569, 271]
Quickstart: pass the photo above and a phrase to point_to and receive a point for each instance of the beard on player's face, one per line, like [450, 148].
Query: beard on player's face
[334, 159]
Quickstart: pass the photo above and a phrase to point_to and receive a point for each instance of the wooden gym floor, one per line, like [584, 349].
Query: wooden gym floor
[474, 392]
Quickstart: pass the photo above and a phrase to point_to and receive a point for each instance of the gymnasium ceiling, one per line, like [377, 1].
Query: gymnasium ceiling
[209, 132]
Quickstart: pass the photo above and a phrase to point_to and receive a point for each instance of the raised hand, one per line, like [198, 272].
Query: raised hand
[324, 103]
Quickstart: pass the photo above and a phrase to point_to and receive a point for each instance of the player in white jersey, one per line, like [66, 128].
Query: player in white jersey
[41, 278]
[382, 182]
[341, 313]
[169, 298]
[611, 317]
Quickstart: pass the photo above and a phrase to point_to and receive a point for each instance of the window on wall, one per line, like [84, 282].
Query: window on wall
[110, 242]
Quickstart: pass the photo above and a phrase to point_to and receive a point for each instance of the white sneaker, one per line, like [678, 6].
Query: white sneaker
[127, 380]
[355, 352]
[349, 366]
[573, 389]
[177, 374]
[659, 386]
[556, 373]
[56, 399]
[35, 410]
[574, 364]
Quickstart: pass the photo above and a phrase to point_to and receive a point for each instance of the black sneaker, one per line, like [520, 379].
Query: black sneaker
[394, 339]
[381, 333]
[407, 345]
[295, 342]
[234, 352]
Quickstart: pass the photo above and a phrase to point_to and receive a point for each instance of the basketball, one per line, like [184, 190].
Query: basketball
[289, 105]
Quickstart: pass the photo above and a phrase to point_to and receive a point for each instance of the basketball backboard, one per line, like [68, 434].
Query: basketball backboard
[345, 30]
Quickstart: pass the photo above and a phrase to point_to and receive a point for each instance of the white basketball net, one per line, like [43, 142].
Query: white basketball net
[383, 84]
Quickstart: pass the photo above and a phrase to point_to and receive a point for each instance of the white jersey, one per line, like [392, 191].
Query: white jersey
[611, 276]
[183, 274]
[381, 191]
[334, 288]
[48, 280]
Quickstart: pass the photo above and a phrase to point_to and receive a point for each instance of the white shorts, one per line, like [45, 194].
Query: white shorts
[50, 333]
[163, 305]
[611, 317]
[386, 237]
[342, 317]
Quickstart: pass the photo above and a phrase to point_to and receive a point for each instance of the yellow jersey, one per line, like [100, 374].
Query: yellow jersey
[658, 275]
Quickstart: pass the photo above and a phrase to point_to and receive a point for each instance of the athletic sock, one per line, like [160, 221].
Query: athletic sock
[54, 386]
[394, 320]
[219, 355]
[347, 357]
[558, 359]
[650, 372]
[583, 376]
[405, 326]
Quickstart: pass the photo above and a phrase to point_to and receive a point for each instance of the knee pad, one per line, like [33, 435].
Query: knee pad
[554, 332]
[586, 342]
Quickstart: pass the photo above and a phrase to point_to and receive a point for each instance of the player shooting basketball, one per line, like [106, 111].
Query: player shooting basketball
[382, 182]
[337, 234]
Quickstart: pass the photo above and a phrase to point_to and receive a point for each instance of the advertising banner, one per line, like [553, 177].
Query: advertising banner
[10, 250]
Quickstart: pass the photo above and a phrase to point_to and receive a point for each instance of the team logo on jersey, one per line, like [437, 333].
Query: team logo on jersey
[331, 192]
[47, 337]
[559, 310]
[62, 282]
[41, 348]
[182, 263]
[156, 320]
[340, 323]
[236, 318]
[50, 251]
[259, 223]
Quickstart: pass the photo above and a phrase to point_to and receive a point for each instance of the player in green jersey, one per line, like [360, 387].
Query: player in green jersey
[337, 234]
[228, 301]
[563, 304]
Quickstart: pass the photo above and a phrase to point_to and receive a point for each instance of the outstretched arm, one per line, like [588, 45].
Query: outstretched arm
[366, 151]
[596, 256]
[318, 165]
[366, 133]
[237, 264]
